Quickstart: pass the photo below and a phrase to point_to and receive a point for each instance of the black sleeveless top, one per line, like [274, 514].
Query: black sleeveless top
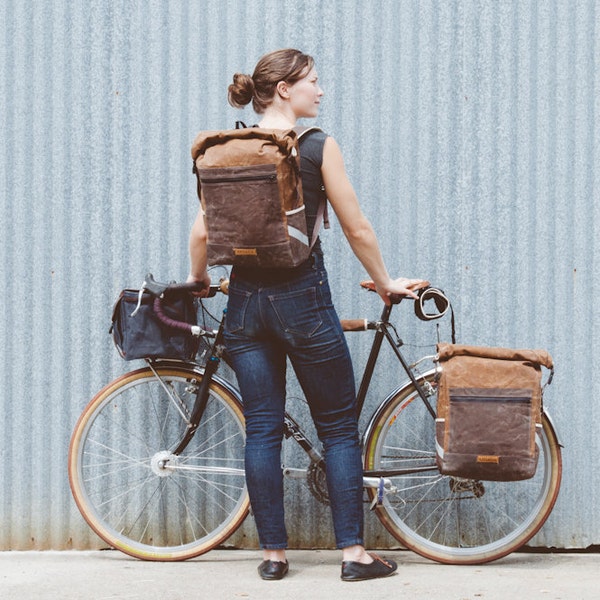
[313, 191]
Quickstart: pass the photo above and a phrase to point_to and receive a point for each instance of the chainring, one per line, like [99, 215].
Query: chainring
[317, 481]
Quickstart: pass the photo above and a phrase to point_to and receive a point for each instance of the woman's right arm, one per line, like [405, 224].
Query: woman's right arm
[197, 247]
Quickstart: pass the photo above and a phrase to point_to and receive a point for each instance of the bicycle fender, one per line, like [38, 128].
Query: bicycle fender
[552, 427]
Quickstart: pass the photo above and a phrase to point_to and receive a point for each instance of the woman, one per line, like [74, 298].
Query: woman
[277, 314]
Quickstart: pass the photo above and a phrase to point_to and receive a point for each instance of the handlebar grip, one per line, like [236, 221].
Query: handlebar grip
[192, 286]
[159, 290]
[354, 324]
[156, 288]
[172, 323]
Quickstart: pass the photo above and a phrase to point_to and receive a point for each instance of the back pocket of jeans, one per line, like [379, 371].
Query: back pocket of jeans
[237, 304]
[298, 312]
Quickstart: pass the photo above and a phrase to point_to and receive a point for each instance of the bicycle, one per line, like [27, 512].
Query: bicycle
[156, 461]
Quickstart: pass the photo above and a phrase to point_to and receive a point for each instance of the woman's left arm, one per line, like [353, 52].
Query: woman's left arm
[356, 226]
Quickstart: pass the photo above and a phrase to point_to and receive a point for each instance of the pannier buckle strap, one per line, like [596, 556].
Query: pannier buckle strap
[550, 377]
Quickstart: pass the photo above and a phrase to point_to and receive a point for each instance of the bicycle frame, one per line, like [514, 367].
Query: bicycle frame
[201, 497]
[383, 330]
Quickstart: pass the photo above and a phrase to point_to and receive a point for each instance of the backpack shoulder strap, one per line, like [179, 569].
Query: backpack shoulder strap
[302, 131]
[322, 218]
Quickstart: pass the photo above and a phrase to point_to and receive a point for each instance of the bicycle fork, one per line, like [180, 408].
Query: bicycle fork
[212, 364]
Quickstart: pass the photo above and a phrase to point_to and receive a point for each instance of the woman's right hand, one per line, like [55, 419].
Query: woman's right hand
[205, 280]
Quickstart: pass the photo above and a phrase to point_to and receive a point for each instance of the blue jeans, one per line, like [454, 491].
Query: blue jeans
[265, 323]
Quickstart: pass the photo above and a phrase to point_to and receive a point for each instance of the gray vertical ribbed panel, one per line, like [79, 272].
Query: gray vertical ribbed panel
[469, 129]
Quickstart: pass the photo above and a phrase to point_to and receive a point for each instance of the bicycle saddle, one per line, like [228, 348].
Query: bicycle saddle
[370, 285]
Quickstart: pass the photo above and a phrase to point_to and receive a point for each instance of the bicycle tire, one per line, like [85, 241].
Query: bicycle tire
[447, 519]
[150, 509]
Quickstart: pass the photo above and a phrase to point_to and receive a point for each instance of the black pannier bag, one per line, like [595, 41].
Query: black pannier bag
[137, 332]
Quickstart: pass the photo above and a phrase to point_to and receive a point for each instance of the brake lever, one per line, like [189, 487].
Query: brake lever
[155, 288]
[139, 302]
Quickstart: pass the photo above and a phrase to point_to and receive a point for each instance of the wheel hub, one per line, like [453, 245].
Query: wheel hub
[459, 485]
[162, 463]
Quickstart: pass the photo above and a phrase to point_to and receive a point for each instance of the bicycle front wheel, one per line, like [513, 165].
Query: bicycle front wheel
[449, 519]
[138, 496]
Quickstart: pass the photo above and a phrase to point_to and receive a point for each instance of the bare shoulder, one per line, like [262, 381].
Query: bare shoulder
[331, 144]
[332, 154]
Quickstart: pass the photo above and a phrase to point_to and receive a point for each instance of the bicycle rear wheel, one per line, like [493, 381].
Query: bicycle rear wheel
[448, 519]
[135, 494]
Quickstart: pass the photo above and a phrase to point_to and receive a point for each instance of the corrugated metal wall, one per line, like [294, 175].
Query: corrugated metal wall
[469, 129]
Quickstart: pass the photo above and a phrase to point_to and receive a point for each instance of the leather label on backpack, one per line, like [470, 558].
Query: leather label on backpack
[245, 251]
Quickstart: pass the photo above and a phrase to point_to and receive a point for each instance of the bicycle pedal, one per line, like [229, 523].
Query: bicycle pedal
[378, 500]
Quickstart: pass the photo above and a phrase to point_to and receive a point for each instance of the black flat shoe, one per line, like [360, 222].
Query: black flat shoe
[271, 570]
[355, 571]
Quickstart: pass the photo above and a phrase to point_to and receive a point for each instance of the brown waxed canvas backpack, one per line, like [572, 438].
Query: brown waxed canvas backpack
[489, 408]
[250, 188]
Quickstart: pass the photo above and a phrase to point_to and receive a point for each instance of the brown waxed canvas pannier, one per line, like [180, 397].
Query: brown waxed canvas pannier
[250, 188]
[489, 409]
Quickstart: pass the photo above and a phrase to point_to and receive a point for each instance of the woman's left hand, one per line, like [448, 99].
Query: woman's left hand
[402, 286]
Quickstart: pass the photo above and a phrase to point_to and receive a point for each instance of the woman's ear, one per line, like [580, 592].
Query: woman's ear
[283, 89]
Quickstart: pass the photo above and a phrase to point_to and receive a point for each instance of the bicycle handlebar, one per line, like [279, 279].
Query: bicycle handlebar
[172, 323]
[160, 290]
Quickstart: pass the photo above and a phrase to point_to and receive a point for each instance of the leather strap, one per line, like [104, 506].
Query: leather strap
[322, 217]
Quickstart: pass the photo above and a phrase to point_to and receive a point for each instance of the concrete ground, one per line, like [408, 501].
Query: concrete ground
[314, 574]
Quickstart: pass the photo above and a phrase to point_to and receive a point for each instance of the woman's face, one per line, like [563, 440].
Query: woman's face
[305, 95]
